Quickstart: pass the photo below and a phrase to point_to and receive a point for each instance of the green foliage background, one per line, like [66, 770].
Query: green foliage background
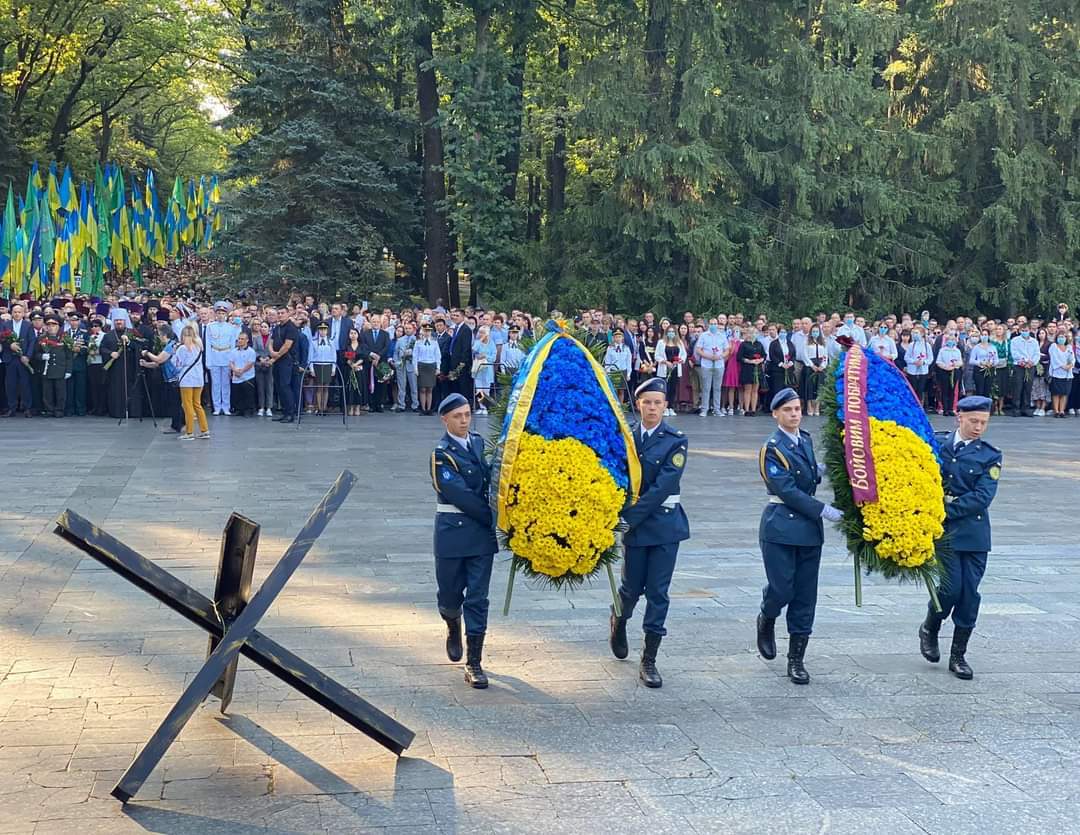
[777, 156]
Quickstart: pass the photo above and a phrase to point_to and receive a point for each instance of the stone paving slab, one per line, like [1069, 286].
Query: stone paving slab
[565, 740]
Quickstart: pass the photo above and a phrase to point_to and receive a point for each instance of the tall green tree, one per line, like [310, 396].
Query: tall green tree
[324, 186]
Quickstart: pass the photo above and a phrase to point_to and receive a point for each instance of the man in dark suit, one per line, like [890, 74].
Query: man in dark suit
[375, 345]
[443, 338]
[339, 325]
[790, 533]
[461, 379]
[17, 360]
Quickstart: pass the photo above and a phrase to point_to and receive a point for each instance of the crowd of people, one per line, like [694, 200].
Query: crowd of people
[165, 352]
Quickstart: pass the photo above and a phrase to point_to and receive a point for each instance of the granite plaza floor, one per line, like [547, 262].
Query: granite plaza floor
[565, 740]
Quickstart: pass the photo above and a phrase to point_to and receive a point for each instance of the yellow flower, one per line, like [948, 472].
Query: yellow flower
[908, 516]
[562, 506]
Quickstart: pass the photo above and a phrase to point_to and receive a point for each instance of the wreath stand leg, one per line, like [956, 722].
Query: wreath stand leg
[858, 581]
[510, 586]
[615, 601]
[933, 595]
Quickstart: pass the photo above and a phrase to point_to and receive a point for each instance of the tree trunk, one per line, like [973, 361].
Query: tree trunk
[557, 161]
[105, 139]
[656, 58]
[522, 27]
[436, 233]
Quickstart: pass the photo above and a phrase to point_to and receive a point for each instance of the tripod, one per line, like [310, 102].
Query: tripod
[140, 377]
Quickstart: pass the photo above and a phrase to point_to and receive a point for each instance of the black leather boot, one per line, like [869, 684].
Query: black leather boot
[453, 638]
[766, 637]
[474, 673]
[928, 637]
[796, 651]
[619, 646]
[648, 673]
[957, 665]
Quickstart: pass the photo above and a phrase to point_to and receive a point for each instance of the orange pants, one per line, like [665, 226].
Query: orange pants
[191, 400]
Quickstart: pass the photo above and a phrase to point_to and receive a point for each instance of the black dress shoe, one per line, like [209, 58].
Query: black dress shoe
[796, 652]
[766, 637]
[620, 648]
[453, 638]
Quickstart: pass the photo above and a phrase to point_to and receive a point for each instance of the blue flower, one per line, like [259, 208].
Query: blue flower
[888, 397]
[569, 403]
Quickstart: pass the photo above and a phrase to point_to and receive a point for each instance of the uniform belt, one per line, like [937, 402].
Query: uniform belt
[672, 501]
[443, 507]
[775, 500]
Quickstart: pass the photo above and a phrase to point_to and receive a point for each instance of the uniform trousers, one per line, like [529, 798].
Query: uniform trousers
[712, 382]
[792, 574]
[220, 382]
[647, 570]
[54, 395]
[76, 393]
[959, 590]
[462, 585]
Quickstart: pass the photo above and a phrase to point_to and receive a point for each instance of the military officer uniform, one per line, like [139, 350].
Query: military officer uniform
[790, 534]
[465, 543]
[970, 470]
[657, 524]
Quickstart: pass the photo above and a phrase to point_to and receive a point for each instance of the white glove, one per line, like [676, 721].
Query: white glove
[67, 376]
[820, 470]
[831, 514]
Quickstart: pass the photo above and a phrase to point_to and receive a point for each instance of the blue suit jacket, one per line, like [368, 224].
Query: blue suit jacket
[970, 478]
[790, 472]
[663, 459]
[462, 479]
[25, 336]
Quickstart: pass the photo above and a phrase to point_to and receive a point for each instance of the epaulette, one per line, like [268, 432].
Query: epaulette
[991, 447]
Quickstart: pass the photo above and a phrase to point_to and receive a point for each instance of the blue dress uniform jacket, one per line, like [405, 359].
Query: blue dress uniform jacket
[969, 477]
[663, 459]
[791, 532]
[462, 478]
[790, 472]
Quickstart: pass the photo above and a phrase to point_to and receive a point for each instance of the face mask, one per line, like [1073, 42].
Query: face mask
[671, 334]
[849, 322]
[1061, 340]
[714, 328]
[984, 338]
[783, 334]
[917, 337]
[1025, 333]
[883, 331]
[815, 333]
[951, 343]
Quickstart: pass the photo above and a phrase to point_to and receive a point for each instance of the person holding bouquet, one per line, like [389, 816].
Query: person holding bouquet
[983, 361]
[51, 361]
[949, 364]
[657, 524]
[465, 543]
[17, 345]
[790, 533]
[970, 469]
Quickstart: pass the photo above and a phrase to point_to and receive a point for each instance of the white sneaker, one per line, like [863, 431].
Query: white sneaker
[1040, 413]
[1072, 411]
[703, 414]
[187, 437]
[481, 411]
[259, 412]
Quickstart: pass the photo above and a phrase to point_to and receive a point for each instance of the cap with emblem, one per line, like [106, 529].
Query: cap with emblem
[974, 403]
[35, 314]
[653, 384]
[452, 402]
[785, 395]
[73, 314]
[52, 317]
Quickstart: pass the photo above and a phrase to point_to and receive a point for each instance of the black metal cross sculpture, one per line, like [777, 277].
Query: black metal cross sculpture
[231, 619]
